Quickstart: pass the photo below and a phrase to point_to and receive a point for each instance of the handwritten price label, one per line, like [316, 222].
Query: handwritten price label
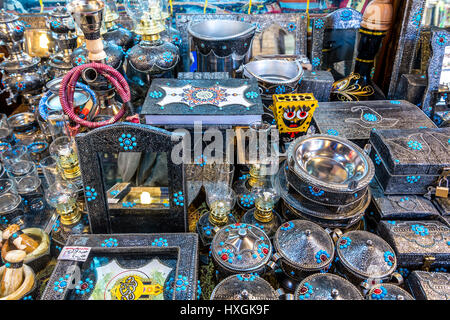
[74, 253]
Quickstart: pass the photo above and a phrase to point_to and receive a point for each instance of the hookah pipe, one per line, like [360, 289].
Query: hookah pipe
[88, 14]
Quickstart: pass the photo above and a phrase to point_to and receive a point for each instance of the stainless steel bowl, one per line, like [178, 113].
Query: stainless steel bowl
[274, 75]
[329, 169]
[220, 30]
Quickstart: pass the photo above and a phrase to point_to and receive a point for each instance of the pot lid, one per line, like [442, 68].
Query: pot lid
[25, 62]
[6, 17]
[388, 291]
[326, 286]
[244, 287]
[60, 12]
[366, 254]
[241, 247]
[304, 244]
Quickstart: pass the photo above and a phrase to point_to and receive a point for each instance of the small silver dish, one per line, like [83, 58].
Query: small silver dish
[328, 169]
[274, 76]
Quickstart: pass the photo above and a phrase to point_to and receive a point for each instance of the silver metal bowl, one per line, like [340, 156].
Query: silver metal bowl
[329, 169]
[274, 75]
[220, 30]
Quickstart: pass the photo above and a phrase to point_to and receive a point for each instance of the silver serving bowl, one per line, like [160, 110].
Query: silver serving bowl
[274, 73]
[333, 163]
[219, 30]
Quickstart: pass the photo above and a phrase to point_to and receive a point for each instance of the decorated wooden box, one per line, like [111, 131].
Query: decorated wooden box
[407, 161]
[418, 244]
[127, 267]
[213, 102]
[318, 83]
[429, 285]
[355, 120]
[399, 207]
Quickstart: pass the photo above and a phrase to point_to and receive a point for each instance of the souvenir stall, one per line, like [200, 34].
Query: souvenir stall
[225, 150]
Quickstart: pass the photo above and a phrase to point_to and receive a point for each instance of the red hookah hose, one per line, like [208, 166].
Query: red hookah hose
[67, 89]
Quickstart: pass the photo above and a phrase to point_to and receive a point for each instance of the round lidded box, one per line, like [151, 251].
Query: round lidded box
[326, 286]
[303, 247]
[241, 247]
[388, 291]
[364, 255]
[328, 169]
[244, 287]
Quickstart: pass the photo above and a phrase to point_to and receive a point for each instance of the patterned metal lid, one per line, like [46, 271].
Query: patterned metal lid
[388, 291]
[244, 287]
[241, 247]
[366, 254]
[326, 286]
[304, 245]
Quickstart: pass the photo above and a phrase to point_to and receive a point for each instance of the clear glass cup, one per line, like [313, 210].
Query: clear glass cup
[50, 170]
[11, 208]
[17, 153]
[56, 121]
[7, 186]
[63, 197]
[6, 132]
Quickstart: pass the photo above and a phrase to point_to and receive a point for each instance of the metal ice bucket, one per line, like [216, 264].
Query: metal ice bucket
[329, 169]
[221, 45]
[274, 76]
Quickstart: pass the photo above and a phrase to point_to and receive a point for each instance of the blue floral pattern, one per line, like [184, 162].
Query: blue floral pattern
[167, 57]
[160, 242]
[316, 62]
[109, 243]
[305, 291]
[59, 285]
[370, 117]
[377, 159]
[322, 256]
[84, 286]
[420, 230]
[247, 200]
[345, 242]
[315, 191]
[412, 179]
[280, 89]
[389, 258]
[319, 23]
[251, 95]
[127, 142]
[346, 15]
[332, 132]
[379, 293]
[155, 94]
[90, 193]
[291, 27]
[178, 198]
[415, 145]
[287, 226]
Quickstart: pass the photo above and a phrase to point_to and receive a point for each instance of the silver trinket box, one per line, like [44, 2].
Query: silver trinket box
[244, 287]
[326, 286]
[303, 247]
[388, 291]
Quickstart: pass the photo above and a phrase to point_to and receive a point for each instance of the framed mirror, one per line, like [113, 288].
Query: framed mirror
[334, 39]
[283, 33]
[438, 67]
[131, 183]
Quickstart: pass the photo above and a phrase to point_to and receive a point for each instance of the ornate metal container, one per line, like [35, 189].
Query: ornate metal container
[326, 286]
[303, 247]
[363, 255]
[325, 216]
[11, 32]
[355, 120]
[241, 248]
[120, 36]
[244, 286]
[388, 291]
[408, 161]
[328, 170]
[274, 76]
[115, 55]
[221, 45]
[418, 243]
[443, 205]
[429, 285]
[401, 207]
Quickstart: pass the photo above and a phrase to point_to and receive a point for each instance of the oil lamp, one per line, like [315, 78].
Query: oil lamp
[22, 74]
[63, 149]
[152, 57]
[221, 200]
[115, 33]
[263, 215]
[63, 197]
[62, 32]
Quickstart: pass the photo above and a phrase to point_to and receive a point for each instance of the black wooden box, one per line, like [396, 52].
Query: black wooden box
[418, 243]
[318, 83]
[408, 161]
[411, 87]
[355, 120]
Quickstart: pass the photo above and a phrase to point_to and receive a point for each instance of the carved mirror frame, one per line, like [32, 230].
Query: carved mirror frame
[148, 139]
[345, 18]
[439, 40]
[290, 22]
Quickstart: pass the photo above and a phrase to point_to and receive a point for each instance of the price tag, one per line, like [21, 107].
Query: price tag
[74, 253]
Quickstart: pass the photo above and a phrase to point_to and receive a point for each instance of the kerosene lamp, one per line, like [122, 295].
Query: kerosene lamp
[115, 33]
[62, 31]
[89, 15]
[152, 57]
[221, 200]
[22, 74]
[376, 22]
[263, 215]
